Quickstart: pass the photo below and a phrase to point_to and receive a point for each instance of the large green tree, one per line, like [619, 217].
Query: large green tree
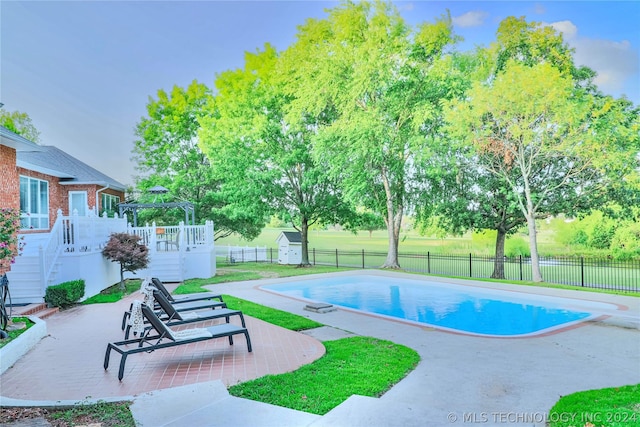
[166, 152]
[378, 84]
[543, 137]
[260, 157]
[19, 123]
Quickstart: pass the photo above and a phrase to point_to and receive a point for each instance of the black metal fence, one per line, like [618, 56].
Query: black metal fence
[602, 273]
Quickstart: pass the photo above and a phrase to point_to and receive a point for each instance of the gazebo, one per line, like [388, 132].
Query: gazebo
[187, 207]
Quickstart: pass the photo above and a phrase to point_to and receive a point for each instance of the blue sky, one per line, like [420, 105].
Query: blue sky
[84, 71]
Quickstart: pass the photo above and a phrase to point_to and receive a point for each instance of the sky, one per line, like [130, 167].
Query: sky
[84, 71]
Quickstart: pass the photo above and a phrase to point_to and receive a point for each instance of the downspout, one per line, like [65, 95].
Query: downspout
[98, 191]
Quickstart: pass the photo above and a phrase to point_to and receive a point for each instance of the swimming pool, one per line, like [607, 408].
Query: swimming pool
[459, 308]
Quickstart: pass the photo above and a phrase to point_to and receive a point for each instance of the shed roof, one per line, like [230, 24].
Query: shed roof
[291, 236]
[55, 162]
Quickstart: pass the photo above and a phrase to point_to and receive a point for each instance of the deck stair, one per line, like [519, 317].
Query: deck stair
[40, 310]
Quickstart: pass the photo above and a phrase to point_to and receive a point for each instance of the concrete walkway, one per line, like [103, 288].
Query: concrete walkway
[461, 379]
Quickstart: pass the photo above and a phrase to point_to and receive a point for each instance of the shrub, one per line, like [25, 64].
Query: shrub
[516, 246]
[10, 242]
[625, 243]
[65, 294]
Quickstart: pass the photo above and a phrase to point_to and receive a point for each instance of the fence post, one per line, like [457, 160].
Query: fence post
[582, 271]
[314, 256]
[470, 263]
[256, 254]
[336, 258]
[363, 258]
[429, 262]
[271, 255]
[75, 231]
[521, 277]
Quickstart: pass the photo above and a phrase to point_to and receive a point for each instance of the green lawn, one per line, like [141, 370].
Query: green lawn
[357, 365]
[410, 242]
[610, 407]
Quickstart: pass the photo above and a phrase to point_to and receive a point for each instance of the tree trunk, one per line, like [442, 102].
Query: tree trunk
[394, 221]
[498, 263]
[304, 233]
[121, 277]
[536, 276]
[393, 230]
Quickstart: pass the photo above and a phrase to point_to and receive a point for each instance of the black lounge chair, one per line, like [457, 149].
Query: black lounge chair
[171, 317]
[184, 306]
[168, 338]
[184, 299]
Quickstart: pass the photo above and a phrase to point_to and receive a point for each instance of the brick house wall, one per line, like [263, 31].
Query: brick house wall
[59, 194]
[91, 195]
[9, 180]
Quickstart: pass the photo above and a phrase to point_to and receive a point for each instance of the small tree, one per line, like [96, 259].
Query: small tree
[126, 249]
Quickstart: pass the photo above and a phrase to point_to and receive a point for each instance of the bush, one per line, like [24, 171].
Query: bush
[65, 294]
[516, 246]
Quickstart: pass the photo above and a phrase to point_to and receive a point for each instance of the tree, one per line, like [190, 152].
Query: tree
[19, 123]
[259, 157]
[540, 136]
[125, 249]
[378, 87]
[370, 221]
[167, 153]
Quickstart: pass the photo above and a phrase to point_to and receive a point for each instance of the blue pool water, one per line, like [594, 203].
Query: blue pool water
[466, 309]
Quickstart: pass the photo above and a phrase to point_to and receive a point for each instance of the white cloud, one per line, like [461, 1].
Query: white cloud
[408, 6]
[539, 9]
[616, 62]
[567, 28]
[474, 18]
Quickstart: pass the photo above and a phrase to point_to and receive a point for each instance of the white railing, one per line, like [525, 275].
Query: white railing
[89, 233]
[172, 238]
[245, 254]
[49, 251]
[76, 234]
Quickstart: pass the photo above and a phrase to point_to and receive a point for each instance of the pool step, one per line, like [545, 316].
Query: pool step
[320, 307]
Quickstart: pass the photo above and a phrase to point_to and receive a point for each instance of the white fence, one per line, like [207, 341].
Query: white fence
[243, 254]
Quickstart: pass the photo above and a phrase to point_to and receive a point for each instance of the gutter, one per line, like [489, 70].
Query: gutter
[98, 191]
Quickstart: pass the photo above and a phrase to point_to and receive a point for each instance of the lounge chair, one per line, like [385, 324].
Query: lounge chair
[171, 317]
[183, 299]
[147, 289]
[166, 337]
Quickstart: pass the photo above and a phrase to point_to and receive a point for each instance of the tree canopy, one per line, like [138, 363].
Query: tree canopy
[19, 123]
[261, 158]
[378, 85]
[166, 152]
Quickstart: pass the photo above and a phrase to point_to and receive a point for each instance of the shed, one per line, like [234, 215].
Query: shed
[289, 247]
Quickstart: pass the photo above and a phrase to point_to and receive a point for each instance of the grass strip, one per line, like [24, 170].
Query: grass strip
[610, 407]
[355, 365]
[14, 334]
[268, 270]
[113, 293]
[274, 316]
[104, 413]
[191, 286]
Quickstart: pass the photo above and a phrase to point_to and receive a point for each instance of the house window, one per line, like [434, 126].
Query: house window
[34, 203]
[110, 203]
